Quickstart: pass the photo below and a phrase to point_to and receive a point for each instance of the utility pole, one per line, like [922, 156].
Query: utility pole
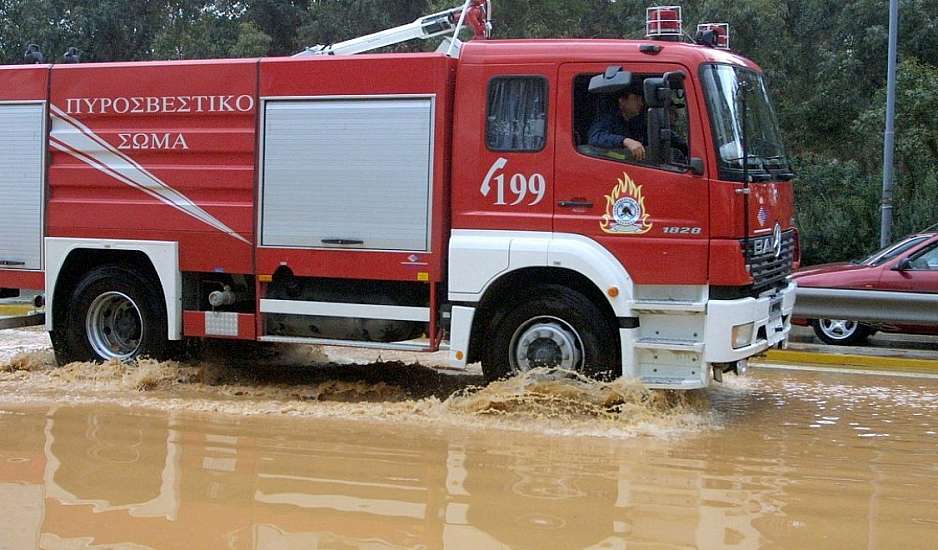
[889, 145]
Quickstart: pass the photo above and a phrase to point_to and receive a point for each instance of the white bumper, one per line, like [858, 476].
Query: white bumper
[677, 349]
[769, 314]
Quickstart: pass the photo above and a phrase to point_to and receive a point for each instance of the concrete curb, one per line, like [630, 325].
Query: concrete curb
[845, 361]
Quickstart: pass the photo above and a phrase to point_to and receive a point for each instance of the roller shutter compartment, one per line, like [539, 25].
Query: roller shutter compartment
[348, 173]
[22, 145]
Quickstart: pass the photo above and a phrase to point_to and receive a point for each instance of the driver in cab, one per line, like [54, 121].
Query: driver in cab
[624, 126]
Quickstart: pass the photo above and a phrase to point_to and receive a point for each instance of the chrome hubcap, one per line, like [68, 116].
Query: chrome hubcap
[114, 326]
[546, 342]
[838, 329]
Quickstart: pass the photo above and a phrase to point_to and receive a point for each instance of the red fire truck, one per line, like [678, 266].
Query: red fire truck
[418, 201]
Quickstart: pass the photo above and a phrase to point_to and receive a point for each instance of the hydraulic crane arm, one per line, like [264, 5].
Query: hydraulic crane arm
[476, 13]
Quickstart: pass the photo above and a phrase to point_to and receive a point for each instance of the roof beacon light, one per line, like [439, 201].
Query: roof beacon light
[664, 23]
[715, 35]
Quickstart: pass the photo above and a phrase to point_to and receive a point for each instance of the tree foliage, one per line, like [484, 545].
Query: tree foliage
[826, 63]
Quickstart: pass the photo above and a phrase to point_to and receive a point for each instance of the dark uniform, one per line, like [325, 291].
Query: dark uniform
[610, 129]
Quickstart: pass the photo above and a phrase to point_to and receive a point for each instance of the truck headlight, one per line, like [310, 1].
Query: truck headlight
[742, 335]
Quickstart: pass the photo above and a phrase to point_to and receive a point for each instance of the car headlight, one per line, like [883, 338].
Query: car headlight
[742, 335]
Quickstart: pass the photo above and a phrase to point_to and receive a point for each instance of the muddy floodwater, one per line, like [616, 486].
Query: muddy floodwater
[350, 456]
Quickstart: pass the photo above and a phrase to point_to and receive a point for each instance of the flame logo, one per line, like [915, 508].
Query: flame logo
[625, 209]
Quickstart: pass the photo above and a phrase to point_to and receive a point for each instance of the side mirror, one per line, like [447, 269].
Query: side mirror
[612, 81]
[658, 96]
[659, 136]
[697, 166]
[657, 93]
[904, 265]
[675, 80]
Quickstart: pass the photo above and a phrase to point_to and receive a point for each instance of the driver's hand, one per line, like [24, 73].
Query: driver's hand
[635, 147]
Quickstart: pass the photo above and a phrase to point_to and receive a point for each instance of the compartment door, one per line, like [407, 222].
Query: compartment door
[22, 167]
[348, 173]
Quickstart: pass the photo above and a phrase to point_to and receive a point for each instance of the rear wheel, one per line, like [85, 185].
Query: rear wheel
[840, 332]
[114, 313]
[554, 327]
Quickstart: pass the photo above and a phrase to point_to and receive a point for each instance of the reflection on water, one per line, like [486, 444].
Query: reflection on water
[797, 460]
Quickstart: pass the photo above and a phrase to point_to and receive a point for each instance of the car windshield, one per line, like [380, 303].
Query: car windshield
[882, 256]
[725, 87]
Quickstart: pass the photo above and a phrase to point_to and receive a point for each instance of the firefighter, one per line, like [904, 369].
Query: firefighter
[624, 126]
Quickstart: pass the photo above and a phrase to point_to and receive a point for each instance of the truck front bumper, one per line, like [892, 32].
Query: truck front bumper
[680, 350]
[727, 325]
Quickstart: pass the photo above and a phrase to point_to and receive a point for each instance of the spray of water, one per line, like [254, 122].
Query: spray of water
[310, 383]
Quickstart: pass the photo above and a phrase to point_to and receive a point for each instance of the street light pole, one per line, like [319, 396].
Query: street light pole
[889, 145]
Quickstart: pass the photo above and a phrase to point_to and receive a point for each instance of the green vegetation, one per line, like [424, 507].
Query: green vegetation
[826, 62]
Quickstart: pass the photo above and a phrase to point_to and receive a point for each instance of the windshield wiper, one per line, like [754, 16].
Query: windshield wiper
[778, 161]
[754, 162]
[758, 162]
[767, 164]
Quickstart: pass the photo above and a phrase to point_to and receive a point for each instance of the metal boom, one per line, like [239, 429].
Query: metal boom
[477, 13]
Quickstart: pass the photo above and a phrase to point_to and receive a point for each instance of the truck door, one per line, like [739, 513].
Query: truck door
[653, 218]
[503, 147]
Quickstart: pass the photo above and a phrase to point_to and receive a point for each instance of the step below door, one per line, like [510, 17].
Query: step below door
[22, 140]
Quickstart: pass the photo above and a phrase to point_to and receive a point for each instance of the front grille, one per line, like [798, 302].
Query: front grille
[768, 270]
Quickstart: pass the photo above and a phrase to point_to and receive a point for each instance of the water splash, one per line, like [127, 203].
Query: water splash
[552, 393]
[311, 383]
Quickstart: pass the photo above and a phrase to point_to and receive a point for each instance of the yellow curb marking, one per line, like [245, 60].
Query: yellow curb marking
[851, 361]
[16, 309]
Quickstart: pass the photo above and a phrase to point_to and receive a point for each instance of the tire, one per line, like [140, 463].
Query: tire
[113, 313]
[839, 332]
[548, 321]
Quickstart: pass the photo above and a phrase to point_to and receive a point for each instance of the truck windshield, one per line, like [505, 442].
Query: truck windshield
[724, 86]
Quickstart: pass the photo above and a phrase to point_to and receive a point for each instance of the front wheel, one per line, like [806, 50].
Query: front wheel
[554, 327]
[841, 332]
[114, 314]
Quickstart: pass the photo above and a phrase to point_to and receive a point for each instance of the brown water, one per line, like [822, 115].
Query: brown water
[88, 459]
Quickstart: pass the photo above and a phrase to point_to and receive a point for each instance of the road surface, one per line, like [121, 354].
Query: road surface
[271, 451]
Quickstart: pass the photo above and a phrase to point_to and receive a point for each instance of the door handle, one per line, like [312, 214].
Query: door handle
[342, 242]
[576, 204]
[11, 263]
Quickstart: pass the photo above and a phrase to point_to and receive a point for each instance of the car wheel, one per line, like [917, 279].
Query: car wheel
[840, 332]
[554, 327]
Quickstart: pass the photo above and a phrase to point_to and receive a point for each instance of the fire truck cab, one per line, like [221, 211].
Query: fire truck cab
[406, 201]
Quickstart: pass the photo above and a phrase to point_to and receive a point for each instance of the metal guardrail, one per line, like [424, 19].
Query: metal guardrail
[867, 305]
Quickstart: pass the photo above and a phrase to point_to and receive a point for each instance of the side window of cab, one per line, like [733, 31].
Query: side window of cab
[613, 124]
[516, 120]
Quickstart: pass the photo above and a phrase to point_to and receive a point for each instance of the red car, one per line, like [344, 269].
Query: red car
[910, 265]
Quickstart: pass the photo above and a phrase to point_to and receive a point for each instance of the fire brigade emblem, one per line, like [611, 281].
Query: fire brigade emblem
[625, 210]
